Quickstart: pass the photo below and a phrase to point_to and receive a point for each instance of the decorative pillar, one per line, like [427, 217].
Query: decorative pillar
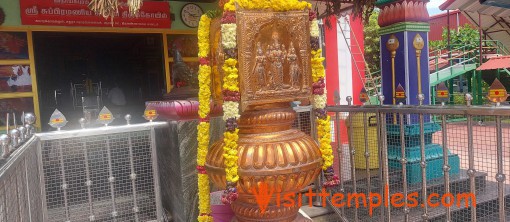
[404, 61]
[404, 37]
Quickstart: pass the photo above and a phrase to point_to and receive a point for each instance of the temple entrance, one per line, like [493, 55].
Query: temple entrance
[79, 73]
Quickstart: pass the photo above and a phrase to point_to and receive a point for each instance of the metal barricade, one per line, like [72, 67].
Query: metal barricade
[304, 119]
[20, 189]
[107, 173]
[101, 174]
[430, 168]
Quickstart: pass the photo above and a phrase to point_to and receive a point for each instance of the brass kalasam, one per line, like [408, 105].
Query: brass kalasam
[270, 152]
[274, 69]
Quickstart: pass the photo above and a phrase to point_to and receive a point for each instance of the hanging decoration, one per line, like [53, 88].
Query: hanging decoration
[204, 95]
[105, 8]
[319, 104]
[231, 97]
[110, 8]
[134, 6]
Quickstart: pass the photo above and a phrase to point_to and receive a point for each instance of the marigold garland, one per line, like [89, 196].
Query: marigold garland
[275, 5]
[204, 92]
[204, 205]
[204, 95]
[319, 104]
[324, 135]
[203, 36]
[231, 97]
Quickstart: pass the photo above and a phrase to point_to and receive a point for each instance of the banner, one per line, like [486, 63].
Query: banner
[76, 13]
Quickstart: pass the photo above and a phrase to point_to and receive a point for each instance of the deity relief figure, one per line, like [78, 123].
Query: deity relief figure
[259, 69]
[276, 54]
[293, 66]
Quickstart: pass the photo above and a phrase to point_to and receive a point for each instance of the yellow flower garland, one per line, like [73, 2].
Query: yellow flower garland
[203, 142]
[204, 92]
[204, 27]
[204, 95]
[230, 109]
[204, 205]
[230, 155]
[275, 5]
[318, 70]
[319, 103]
[324, 134]
[230, 80]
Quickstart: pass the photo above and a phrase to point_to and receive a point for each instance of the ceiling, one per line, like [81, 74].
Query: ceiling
[495, 20]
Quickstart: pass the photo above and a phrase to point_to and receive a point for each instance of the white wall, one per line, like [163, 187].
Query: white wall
[344, 61]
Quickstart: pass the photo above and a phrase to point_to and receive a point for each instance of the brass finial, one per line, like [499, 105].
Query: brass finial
[392, 45]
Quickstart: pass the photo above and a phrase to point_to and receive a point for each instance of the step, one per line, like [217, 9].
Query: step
[320, 214]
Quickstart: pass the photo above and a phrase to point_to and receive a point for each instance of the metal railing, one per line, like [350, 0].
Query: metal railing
[460, 55]
[465, 54]
[101, 174]
[20, 189]
[495, 46]
[436, 170]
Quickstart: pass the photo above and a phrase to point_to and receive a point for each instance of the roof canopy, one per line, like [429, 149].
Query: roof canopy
[495, 19]
[501, 62]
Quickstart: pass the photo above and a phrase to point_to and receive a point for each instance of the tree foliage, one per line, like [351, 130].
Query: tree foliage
[465, 36]
[372, 38]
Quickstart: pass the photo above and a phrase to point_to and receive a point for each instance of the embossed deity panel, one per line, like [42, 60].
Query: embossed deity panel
[274, 59]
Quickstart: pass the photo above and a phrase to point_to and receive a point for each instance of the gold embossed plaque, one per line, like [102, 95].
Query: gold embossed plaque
[274, 57]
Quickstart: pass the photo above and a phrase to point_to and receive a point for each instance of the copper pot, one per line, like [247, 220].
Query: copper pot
[270, 152]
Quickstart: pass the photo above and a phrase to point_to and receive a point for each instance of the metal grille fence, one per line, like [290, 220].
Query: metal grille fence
[439, 159]
[20, 190]
[303, 120]
[104, 174]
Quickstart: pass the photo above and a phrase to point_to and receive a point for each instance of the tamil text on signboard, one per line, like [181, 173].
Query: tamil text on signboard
[76, 13]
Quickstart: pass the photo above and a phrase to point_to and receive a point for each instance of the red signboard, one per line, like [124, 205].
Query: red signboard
[77, 13]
